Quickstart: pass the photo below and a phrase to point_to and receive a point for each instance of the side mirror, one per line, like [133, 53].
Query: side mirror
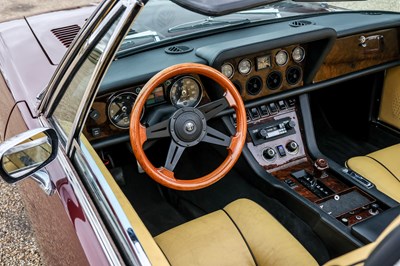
[25, 154]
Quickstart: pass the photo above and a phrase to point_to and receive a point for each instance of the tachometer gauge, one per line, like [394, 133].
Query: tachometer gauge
[186, 92]
[281, 58]
[244, 66]
[119, 109]
[298, 54]
[228, 70]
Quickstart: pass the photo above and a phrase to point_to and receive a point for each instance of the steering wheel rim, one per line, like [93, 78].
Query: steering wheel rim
[138, 132]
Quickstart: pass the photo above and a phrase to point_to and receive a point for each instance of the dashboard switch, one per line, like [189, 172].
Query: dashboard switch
[94, 114]
[254, 113]
[273, 108]
[290, 183]
[291, 102]
[96, 131]
[282, 105]
[248, 116]
[264, 110]
[281, 150]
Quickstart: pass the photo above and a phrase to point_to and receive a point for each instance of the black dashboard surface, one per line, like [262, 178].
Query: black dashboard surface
[140, 67]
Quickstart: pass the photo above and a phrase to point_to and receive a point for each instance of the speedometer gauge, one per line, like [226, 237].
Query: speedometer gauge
[186, 92]
[119, 109]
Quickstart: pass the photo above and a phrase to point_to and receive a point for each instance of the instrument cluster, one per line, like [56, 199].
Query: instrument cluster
[111, 112]
[266, 72]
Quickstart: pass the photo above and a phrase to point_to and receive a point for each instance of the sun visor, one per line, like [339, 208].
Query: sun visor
[220, 7]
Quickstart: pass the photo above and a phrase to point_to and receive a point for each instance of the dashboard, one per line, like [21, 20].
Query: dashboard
[265, 63]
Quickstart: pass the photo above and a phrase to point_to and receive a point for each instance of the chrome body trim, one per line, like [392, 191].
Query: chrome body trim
[93, 220]
[89, 213]
[97, 70]
[111, 209]
[24, 146]
[106, 14]
[42, 177]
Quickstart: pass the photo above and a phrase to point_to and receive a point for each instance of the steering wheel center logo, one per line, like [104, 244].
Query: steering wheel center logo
[189, 126]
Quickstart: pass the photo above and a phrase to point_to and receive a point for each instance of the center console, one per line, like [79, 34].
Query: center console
[276, 141]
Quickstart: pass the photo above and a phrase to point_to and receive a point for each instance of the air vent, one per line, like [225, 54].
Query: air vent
[66, 34]
[178, 49]
[372, 13]
[254, 85]
[238, 86]
[293, 75]
[274, 80]
[300, 23]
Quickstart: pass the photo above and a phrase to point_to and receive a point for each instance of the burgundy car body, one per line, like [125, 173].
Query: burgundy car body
[28, 71]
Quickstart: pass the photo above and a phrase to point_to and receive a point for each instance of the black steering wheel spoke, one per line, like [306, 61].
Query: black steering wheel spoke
[211, 109]
[159, 130]
[174, 154]
[216, 137]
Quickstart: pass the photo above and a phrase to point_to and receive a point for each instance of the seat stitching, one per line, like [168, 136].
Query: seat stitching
[383, 167]
[244, 239]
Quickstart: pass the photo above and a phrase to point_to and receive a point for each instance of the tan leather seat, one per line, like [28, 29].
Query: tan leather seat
[381, 168]
[242, 233]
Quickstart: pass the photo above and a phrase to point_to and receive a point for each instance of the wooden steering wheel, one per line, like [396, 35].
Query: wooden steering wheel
[187, 127]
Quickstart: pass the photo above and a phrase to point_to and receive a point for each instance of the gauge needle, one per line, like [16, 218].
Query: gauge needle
[118, 116]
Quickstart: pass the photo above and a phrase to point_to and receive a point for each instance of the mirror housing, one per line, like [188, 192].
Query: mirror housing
[25, 154]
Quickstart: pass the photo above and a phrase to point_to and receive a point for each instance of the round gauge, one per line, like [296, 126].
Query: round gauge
[244, 66]
[119, 109]
[298, 54]
[227, 70]
[186, 92]
[281, 58]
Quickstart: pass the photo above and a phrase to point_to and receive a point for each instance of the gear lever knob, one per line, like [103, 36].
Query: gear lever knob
[320, 166]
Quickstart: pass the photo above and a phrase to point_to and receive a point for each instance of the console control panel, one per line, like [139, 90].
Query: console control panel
[274, 137]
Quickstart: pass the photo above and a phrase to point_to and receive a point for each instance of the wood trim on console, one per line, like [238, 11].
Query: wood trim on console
[349, 55]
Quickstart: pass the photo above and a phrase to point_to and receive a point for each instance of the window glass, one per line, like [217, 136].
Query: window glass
[67, 108]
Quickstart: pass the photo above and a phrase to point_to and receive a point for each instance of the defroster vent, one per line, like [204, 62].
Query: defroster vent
[300, 23]
[178, 49]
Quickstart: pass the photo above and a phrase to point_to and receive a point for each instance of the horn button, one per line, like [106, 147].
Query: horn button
[188, 126]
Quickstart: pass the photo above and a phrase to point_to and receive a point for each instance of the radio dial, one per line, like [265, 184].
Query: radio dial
[263, 133]
[269, 154]
[289, 125]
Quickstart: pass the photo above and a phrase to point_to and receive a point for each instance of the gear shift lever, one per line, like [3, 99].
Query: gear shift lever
[320, 166]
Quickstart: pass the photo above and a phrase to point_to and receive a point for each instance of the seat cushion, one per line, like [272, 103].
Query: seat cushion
[242, 233]
[382, 168]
